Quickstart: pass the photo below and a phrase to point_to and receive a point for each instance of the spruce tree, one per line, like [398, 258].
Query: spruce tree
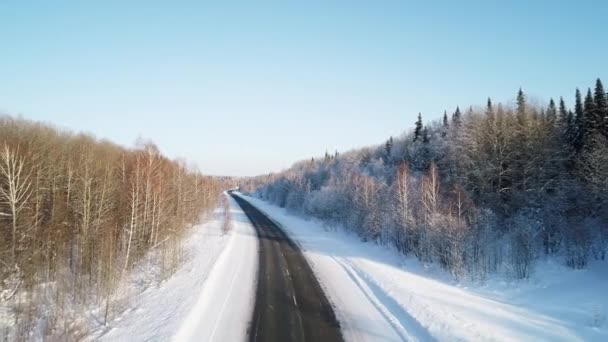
[523, 150]
[563, 112]
[551, 113]
[591, 121]
[570, 128]
[425, 136]
[457, 117]
[446, 125]
[418, 129]
[601, 107]
[564, 122]
[579, 121]
[521, 107]
[489, 109]
[389, 146]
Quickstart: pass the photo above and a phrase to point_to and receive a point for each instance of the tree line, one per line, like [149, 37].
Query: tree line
[77, 213]
[488, 189]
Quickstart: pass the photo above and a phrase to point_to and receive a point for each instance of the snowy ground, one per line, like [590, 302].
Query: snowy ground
[211, 296]
[380, 295]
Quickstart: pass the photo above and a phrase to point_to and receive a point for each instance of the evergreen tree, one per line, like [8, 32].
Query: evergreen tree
[446, 125]
[579, 122]
[521, 107]
[419, 127]
[425, 136]
[489, 110]
[601, 107]
[563, 112]
[565, 122]
[457, 117]
[523, 147]
[570, 127]
[389, 146]
[590, 122]
[551, 113]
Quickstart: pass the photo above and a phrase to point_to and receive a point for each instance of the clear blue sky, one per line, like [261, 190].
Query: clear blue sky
[249, 88]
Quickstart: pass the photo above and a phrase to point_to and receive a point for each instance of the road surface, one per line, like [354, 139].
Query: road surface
[290, 304]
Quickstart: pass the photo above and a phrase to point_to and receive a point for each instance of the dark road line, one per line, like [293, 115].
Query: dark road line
[290, 304]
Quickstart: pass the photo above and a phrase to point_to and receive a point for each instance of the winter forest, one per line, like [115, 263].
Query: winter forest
[76, 214]
[485, 190]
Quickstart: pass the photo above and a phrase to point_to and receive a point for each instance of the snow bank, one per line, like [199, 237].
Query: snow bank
[210, 298]
[379, 294]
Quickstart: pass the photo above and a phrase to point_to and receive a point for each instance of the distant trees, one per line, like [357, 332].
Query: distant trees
[77, 213]
[489, 191]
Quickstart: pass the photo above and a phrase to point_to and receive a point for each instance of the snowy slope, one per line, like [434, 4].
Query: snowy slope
[224, 307]
[381, 295]
[211, 296]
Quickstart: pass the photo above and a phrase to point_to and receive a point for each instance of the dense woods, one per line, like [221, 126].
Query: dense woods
[489, 189]
[76, 214]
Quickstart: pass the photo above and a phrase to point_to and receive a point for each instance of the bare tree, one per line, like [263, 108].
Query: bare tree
[404, 204]
[15, 190]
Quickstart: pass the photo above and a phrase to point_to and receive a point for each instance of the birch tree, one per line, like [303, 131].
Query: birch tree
[15, 189]
[406, 235]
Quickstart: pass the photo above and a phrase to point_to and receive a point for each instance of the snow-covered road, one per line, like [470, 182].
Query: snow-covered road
[290, 304]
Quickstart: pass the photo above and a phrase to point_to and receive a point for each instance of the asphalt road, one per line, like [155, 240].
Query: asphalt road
[290, 305]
